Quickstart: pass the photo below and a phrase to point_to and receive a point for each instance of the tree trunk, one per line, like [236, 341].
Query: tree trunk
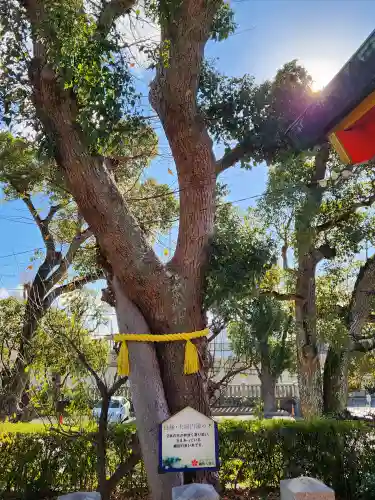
[13, 388]
[165, 298]
[267, 390]
[308, 365]
[34, 312]
[101, 463]
[148, 396]
[56, 387]
[335, 392]
[309, 375]
[19, 377]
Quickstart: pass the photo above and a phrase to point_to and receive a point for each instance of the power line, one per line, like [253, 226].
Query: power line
[171, 221]
[20, 253]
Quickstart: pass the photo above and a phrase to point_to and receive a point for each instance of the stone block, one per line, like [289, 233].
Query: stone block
[195, 491]
[81, 495]
[305, 488]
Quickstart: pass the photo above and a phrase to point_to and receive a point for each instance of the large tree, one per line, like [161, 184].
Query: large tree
[35, 180]
[357, 317]
[68, 67]
[242, 262]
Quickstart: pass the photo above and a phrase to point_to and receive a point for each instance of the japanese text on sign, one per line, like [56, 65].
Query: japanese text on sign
[188, 441]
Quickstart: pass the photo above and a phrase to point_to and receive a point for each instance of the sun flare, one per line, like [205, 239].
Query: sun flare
[322, 72]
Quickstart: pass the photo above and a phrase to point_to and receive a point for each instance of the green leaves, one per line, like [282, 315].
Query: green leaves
[224, 24]
[255, 115]
[241, 253]
[89, 63]
[336, 214]
[53, 349]
[153, 205]
[332, 302]
[261, 333]
[20, 172]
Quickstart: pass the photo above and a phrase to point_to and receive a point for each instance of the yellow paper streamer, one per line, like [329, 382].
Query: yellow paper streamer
[191, 363]
[123, 360]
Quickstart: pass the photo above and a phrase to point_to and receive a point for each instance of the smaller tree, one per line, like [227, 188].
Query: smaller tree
[90, 356]
[261, 335]
[362, 372]
[241, 254]
[66, 360]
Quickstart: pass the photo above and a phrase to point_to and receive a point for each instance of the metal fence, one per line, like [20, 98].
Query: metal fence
[253, 391]
[246, 394]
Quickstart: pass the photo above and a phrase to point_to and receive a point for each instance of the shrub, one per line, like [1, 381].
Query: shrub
[44, 462]
[254, 454]
[260, 453]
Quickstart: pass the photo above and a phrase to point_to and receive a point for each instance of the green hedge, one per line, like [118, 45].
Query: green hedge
[260, 454]
[254, 454]
[34, 465]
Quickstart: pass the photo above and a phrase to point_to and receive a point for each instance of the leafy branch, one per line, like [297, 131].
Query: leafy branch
[345, 216]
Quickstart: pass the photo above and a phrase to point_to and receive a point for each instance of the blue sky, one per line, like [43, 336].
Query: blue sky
[322, 34]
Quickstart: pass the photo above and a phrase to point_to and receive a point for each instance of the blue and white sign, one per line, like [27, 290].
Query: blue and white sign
[188, 441]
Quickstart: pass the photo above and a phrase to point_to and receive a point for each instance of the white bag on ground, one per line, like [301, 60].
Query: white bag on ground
[195, 491]
[81, 495]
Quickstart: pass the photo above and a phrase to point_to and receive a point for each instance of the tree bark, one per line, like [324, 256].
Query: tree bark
[309, 375]
[337, 362]
[267, 390]
[101, 460]
[335, 382]
[13, 388]
[173, 96]
[308, 365]
[148, 396]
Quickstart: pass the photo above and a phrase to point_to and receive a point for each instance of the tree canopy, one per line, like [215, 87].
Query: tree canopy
[67, 77]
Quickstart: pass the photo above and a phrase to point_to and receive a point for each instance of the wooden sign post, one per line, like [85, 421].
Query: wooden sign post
[188, 441]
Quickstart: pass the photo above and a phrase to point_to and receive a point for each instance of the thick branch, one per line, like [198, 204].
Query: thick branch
[173, 96]
[238, 153]
[216, 327]
[365, 345]
[110, 13]
[345, 215]
[284, 248]
[43, 223]
[281, 296]
[123, 469]
[75, 245]
[52, 211]
[32, 210]
[323, 252]
[116, 386]
[75, 284]
[89, 181]
[321, 160]
[360, 306]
